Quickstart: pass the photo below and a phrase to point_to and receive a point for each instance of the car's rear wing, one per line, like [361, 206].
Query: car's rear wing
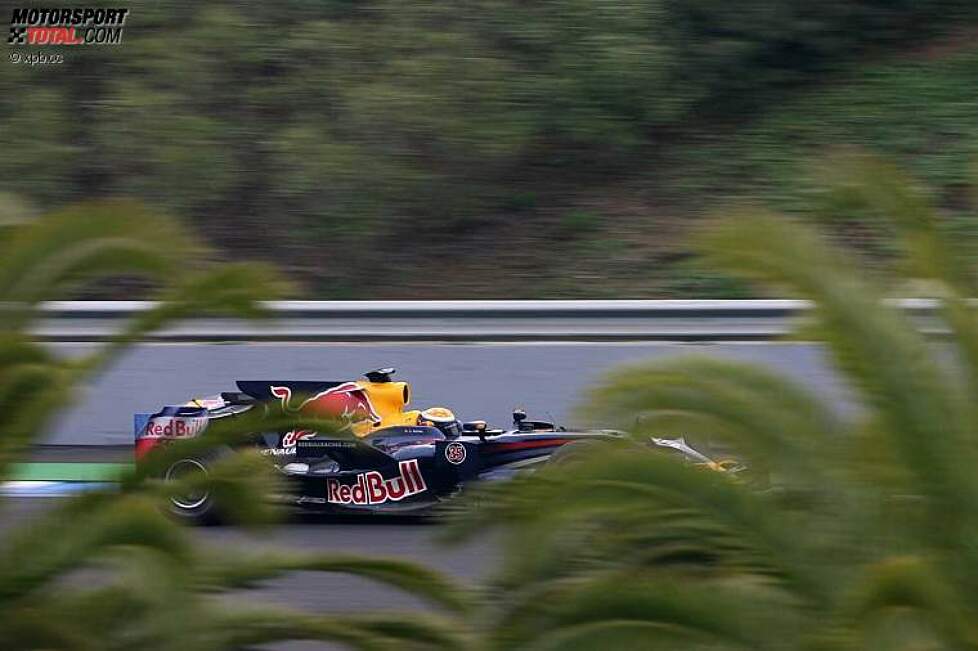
[170, 422]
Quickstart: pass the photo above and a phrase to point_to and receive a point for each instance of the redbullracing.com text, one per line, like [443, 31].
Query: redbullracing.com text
[66, 26]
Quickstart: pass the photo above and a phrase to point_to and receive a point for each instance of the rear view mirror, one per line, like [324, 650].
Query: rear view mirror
[519, 415]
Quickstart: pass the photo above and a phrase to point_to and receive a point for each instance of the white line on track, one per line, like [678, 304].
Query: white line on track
[48, 488]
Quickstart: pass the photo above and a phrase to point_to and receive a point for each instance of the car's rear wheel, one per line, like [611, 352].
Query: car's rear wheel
[196, 505]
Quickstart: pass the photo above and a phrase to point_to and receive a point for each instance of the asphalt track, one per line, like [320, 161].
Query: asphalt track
[408, 539]
[476, 380]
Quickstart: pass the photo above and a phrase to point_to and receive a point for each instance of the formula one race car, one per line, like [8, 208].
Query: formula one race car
[389, 459]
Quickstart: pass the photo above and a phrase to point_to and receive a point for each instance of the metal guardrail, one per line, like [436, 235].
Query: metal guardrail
[462, 321]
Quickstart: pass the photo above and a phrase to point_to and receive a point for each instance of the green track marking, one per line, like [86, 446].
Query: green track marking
[67, 471]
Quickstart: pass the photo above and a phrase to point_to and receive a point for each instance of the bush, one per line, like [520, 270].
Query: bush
[153, 587]
[865, 540]
[345, 120]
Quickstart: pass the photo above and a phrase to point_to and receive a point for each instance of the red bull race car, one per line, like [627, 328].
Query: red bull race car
[389, 459]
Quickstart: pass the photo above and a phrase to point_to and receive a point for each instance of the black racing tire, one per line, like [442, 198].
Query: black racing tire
[197, 508]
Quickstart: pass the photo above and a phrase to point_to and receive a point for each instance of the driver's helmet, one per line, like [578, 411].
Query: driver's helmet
[442, 418]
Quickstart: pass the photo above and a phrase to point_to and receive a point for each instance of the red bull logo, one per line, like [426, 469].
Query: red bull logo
[372, 488]
[174, 427]
[160, 428]
[289, 439]
[347, 401]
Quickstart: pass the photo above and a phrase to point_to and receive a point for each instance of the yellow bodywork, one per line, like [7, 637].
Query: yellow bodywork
[388, 400]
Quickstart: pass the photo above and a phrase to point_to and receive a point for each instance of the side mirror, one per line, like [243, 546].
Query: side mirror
[477, 426]
[519, 415]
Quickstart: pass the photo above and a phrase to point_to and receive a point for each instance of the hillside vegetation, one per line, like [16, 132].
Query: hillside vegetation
[557, 149]
[844, 531]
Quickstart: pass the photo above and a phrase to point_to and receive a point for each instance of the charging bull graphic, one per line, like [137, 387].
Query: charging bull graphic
[347, 402]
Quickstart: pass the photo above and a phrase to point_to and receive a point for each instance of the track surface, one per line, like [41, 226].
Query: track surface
[411, 539]
[407, 539]
[476, 380]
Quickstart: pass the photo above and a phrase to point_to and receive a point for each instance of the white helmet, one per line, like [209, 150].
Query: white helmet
[442, 418]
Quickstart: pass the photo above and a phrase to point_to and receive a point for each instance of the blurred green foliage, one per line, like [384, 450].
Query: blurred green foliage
[322, 132]
[579, 223]
[864, 538]
[919, 109]
[109, 570]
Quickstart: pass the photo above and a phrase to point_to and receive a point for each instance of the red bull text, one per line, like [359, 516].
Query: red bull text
[372, 488]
